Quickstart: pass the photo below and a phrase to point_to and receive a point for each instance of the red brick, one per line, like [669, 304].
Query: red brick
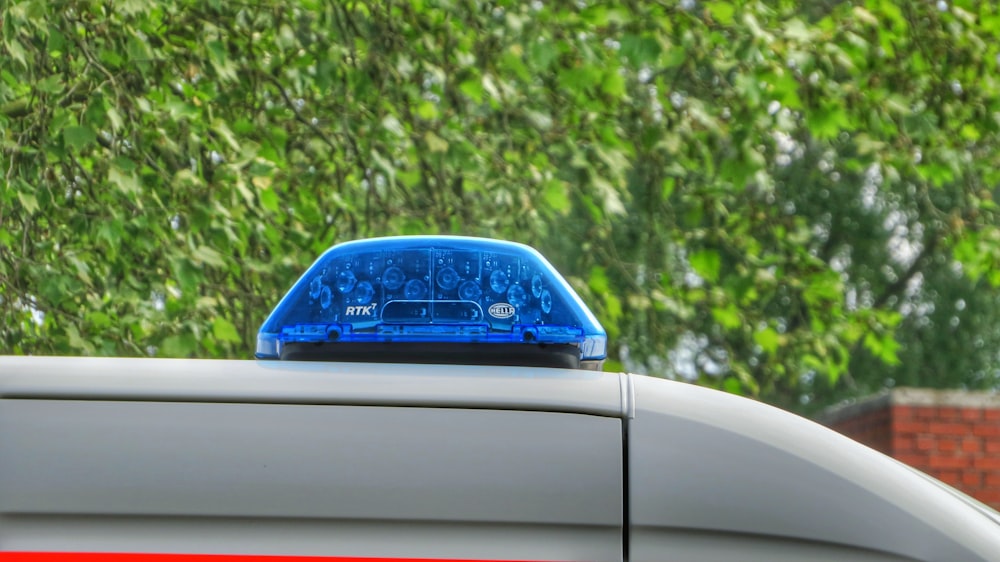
[946, 445]
[971, 479]
[991, 479]
[992, 446]
[901, 413]
[925, 413]
[926, 443]
[911, 427]
[950, 477]
[914, 460]
[988, 463]
[991, 414]
[901, 444]
[971, 445]
[972, 414]
[949, 428]
[991, 497]
[940, 461]
[986, 429]
[947, 413]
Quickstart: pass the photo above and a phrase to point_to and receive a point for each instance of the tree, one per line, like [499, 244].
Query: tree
[755, 195]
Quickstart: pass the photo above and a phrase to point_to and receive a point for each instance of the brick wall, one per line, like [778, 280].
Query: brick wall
[951, 435]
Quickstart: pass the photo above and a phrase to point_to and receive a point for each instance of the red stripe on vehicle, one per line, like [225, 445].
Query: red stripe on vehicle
[160, 557]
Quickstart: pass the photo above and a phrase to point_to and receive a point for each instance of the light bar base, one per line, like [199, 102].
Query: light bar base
[560, 356]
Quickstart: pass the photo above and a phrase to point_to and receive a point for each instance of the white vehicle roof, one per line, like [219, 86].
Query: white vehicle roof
[307, 382]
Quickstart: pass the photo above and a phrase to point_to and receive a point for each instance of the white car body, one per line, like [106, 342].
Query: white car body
[433, 462]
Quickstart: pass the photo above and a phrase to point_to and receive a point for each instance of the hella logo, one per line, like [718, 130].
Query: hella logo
[501, 310]
[360, 310]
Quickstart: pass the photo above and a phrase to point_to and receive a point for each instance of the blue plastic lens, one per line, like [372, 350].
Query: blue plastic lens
[498, 281]
[470, 291]
[315, 286]
[536, 285]
[346, 281]
[432, 288]
[364, 293]
[517, 296]
[447, 278]
[393, 278]
[415, 290]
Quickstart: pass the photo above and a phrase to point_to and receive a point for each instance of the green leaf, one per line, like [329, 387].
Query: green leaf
[187, 274]
[885, 348]
[542, 54]
[269, 200]
[222, 128]
[556, 197]
[124, 164]
[125, 181]
[640, 50]
[580, 78]
[51, 84]
[427, 111]
[970, 132]
[938, 174]
[208, 256]
[598, 281]
[435, 143]
[667, 188]
[473, 89]
[28, 201]
[137, 49]
[768, 339]
[920, 124]
[614, 84]
[76, 341]
[728, 316]
[722, 12]
[98, 320]
[797, 29]
[224, 330]
[183, 345]
[117, 123]
[732, 386]
[827, 122]
[596, 15]
[707, 264]
[823, 289]
[78, 137]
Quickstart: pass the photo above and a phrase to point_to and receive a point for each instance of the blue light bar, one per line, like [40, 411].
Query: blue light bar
[443, 289]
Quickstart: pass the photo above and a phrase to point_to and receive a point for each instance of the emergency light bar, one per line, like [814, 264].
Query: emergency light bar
[429, 294]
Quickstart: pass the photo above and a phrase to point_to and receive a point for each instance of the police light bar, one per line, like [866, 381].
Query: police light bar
[425, 292]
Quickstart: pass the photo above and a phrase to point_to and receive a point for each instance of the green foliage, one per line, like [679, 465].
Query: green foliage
[775, 199]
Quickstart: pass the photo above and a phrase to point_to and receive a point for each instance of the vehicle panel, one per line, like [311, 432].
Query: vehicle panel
[713, 469]
[387, 481]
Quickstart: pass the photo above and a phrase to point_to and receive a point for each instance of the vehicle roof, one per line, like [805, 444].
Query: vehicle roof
[294, 382]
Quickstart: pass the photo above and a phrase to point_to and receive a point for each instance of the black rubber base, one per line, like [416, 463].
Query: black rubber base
[562, 356]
